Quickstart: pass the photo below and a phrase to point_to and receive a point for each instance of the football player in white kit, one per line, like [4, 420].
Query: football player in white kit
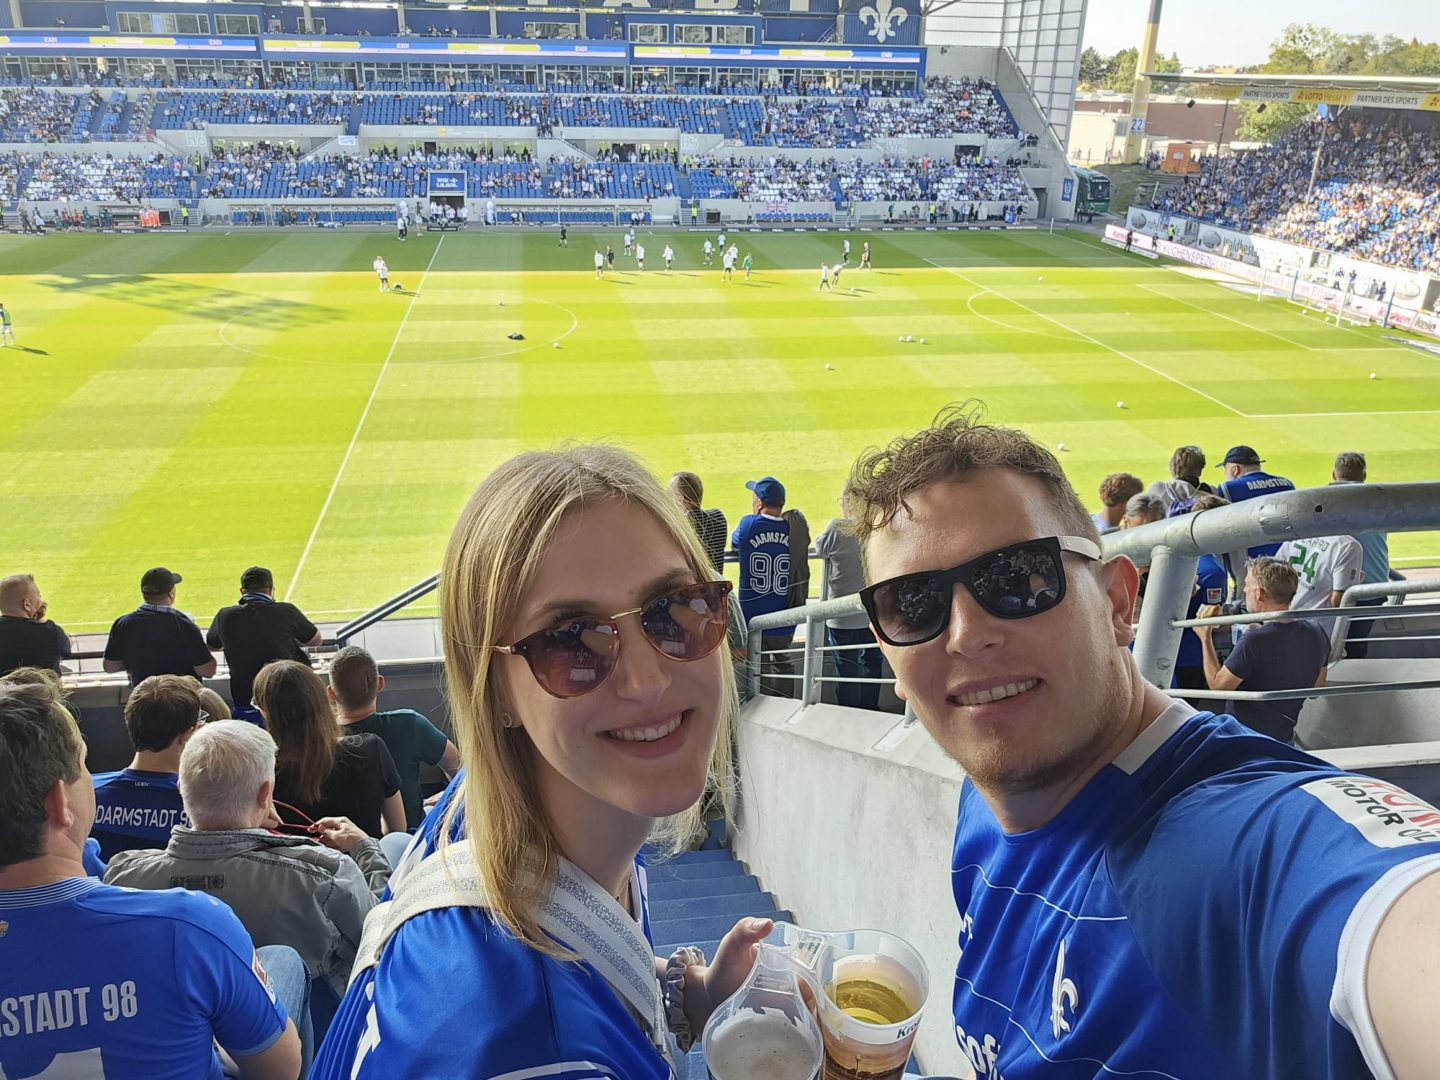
[382, 272]
[669, 256]
[709, 251]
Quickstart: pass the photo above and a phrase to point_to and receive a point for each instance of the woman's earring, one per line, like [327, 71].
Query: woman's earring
[506, 720]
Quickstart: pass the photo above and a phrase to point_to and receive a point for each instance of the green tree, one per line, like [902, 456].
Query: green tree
[1120, 69]
[1092, 67]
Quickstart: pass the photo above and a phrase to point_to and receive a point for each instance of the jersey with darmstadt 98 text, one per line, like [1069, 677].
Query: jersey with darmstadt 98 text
[98, 981]
[1203, 908]
[456, 996]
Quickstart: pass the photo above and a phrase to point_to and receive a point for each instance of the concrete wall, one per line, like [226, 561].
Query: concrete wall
[848, 836]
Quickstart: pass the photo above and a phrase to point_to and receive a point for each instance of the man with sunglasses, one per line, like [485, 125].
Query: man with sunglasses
[1144, 890]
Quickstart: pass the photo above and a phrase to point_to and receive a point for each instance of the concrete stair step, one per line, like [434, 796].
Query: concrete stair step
[688, 889]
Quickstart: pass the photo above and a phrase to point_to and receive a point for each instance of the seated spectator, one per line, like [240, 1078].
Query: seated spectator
[214, 704]
[1326, 566]
[177, 968]
[1142, 509]
[319, 770]
[257, 630]
[310, 894]
[139, 805]
[157, 638]
[1187, 466]
[27, 638]
[355, 684]
[1116, 490]
[1281, 654]
[846, 574]
[710, 525]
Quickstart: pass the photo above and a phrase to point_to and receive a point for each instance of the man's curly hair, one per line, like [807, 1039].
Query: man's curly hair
[957, 444]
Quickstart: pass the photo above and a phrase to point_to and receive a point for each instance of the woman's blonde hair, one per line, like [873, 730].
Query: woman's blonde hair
[491, 561]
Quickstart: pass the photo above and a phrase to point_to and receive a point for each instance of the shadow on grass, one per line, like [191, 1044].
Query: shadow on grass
[205, 301]
[28, 349]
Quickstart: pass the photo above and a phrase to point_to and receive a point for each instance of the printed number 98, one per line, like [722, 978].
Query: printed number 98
[769, 575]
[119, 1000]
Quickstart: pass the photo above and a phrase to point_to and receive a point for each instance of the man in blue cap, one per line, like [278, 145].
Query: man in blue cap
[762, 542]
[1244, 479]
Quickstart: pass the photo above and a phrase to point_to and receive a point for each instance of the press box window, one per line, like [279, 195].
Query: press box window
[237, 24]
[138, 22]
[649, 33]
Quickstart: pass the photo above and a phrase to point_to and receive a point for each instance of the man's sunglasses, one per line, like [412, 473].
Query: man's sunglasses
[578, 655]
[1012, 582]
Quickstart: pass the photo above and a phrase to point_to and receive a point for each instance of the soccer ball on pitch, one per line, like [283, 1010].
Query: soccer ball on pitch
[1060, 446]
[922, 341]
[1119, 404]
[502, 303]
[398, 287]
[1373, 375]
[829, 368]
[901, 339]
[1040, 278]
[555, 344]
[908, 339]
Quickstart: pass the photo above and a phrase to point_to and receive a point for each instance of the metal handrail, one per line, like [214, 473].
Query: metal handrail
[1172, 548]
[1370, 591]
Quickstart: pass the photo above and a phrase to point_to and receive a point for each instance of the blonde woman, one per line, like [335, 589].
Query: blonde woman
[590, 696]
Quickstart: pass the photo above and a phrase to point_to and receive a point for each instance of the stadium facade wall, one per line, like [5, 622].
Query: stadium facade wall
[1409, 288]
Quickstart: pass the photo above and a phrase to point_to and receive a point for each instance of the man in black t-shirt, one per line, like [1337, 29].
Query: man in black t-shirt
[157, 638]
[257, 630]
[27, 638]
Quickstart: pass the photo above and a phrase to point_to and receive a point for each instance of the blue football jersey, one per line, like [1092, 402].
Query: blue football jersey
[1202, 908]
[1253, 485]
[135, 809]
[455, 995]
[98, 981]
[763, 545]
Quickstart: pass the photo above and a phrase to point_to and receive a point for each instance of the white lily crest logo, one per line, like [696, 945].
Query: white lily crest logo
[883, 17]
[1062, 993]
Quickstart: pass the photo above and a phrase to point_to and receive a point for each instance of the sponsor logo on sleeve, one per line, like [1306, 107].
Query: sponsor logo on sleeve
[1385, 815]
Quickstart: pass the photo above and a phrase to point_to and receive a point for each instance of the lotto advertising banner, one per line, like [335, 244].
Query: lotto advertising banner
[1328, 95]
[882, 22]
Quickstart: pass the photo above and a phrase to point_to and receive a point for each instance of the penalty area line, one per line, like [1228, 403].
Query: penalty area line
[364, 413]
[1092, 340]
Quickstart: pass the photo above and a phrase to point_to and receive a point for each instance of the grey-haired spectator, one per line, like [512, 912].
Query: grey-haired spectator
[258, 630]
[176, 972]
[27, 637]
[1280, 654]
[1142, 509]
[710, 525]
[157, 638]
[1350, 468]
[311, 893]
[1115, 491]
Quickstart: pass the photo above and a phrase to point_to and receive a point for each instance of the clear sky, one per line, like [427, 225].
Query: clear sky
[1240, 31]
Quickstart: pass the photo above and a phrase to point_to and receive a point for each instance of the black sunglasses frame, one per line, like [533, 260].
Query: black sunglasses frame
[1054, 546]
[525, 646]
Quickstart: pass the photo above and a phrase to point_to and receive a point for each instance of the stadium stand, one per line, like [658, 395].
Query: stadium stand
[1376, 192]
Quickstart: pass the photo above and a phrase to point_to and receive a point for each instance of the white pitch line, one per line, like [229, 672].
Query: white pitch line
[1094, 341]
[1354, 412]
[355, 435]
[1238, 322]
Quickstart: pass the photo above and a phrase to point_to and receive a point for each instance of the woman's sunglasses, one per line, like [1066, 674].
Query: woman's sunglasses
[305, 827]
[1012, 582]
[578, 655]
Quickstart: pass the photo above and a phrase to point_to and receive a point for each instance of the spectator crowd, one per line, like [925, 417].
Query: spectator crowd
[1376, 191]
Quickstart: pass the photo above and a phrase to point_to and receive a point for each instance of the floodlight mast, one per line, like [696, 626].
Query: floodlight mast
[1140, 99]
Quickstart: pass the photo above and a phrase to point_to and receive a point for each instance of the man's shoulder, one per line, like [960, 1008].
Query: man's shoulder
[196, 910]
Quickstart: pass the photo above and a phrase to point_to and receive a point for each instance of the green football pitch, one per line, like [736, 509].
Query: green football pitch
[206, 402]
